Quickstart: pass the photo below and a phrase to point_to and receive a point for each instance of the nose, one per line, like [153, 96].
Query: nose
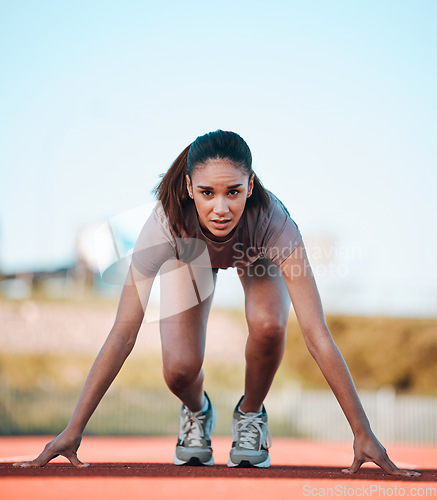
[220, 206]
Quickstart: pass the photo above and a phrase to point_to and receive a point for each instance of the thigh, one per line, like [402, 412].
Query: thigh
[267, 300]
[186, 298]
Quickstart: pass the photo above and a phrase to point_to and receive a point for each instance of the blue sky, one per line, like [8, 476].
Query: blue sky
[336, 100]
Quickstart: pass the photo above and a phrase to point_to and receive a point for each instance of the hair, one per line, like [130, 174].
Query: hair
[172, 189]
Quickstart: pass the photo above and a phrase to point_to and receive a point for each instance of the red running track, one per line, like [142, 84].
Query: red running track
[141, 468]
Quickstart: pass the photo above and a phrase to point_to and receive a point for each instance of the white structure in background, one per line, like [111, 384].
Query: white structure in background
[105, 247]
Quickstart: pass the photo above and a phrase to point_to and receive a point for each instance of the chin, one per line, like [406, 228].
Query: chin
[220, 233]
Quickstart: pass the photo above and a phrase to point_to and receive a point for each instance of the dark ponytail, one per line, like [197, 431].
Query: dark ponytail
[172, 190]
[260, 197]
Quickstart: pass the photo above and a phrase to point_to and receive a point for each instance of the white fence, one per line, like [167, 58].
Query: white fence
[394, 418]
[292, 412]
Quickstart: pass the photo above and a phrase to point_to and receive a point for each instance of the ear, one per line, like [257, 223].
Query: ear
[250, 188]
[189, 186]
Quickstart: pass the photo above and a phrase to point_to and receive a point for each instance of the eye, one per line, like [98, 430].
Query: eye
[234, 192]
[206, 193]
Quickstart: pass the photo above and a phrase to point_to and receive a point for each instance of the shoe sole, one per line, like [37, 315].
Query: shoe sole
[248, 464]
[193, 461]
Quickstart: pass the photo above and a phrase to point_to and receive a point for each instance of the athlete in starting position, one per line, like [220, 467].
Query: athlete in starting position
[212, 213]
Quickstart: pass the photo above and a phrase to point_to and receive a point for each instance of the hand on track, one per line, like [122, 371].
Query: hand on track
[63, 445]
[368, 449]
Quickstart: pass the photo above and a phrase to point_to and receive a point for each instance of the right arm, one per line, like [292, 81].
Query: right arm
[115, 350]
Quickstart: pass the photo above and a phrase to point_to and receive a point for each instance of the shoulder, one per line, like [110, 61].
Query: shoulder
[156, 228]
[275, 214]
[281, 235]
[276, 206]
[162, 224]
[159, 216]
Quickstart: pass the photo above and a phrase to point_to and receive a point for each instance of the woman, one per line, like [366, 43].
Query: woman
[214, 213]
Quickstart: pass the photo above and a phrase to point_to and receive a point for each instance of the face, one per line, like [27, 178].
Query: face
[219, 190]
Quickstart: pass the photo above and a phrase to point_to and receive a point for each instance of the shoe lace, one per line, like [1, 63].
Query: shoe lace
[193, 428]
[250, 428]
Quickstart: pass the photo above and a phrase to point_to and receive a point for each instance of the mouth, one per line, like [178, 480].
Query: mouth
[220, 223]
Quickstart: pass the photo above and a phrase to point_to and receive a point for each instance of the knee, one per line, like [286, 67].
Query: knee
[268, 330]
[179, 375]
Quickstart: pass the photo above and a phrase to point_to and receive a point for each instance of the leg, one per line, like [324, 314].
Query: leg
[183, 335]
[267, 305]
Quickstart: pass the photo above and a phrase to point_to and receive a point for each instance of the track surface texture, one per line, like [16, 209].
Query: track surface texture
[141, 468]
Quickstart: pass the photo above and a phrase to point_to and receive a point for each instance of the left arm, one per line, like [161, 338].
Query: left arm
[305, 297]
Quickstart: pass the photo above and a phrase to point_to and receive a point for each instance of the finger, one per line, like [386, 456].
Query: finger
[40, 461]
[412, 473]
[357, 463]
[390, 468]
[76, 462]
[395, 471]
[31, 463]
[23, 464]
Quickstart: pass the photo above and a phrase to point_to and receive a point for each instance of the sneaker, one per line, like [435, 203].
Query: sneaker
[194, 442]
[252, 439]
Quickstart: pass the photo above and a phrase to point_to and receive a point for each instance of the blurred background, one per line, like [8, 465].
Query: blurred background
[337, 103]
